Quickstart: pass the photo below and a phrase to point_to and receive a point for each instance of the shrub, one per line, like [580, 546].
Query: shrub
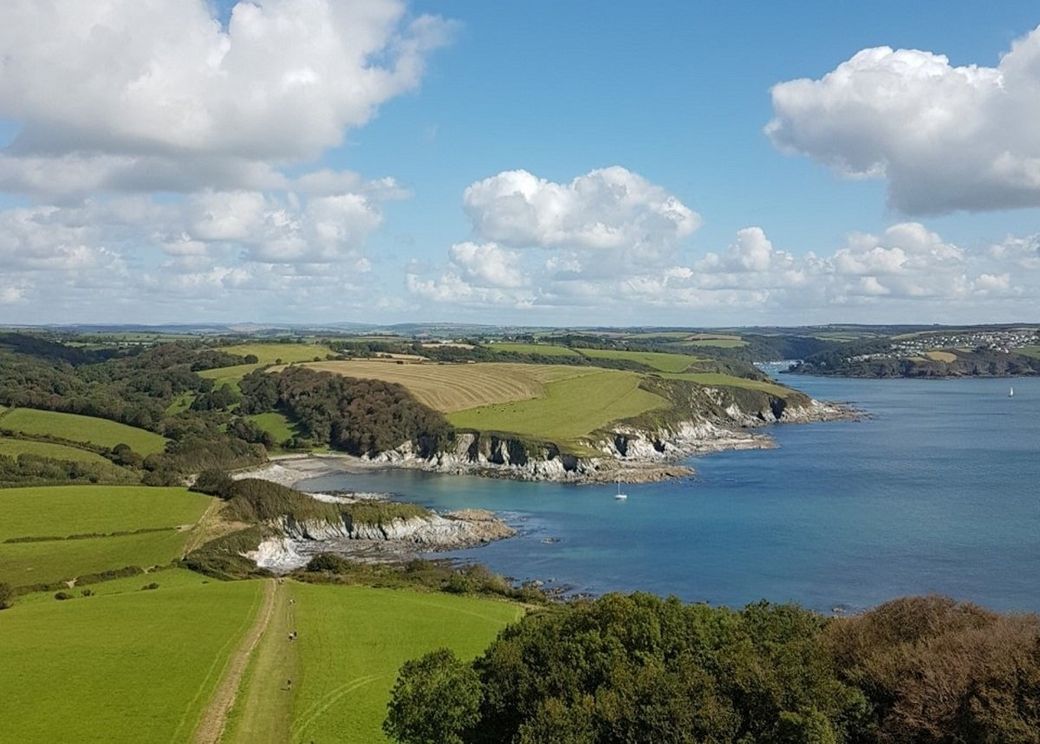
[149, 587]
[436, 699]
[6, 595]
[213, 482]
[62, 596]
[328, 562]
[87, 593]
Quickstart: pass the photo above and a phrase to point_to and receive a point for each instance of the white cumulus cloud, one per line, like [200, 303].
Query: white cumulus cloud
[610, 209]
[945, 137]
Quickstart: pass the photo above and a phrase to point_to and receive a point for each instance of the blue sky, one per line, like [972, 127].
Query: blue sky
[677, 95]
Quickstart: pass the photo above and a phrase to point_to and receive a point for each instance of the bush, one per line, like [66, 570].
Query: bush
[328, 562]
[62, 596]
[149, 587]
[6, 595]
[213, 482]
[87, 593]
[436, 699]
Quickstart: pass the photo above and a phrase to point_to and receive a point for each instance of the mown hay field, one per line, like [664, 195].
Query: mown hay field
[941, 356]
[569, 410]
[123, 666]
[14, 447]
[456, 387]
[658, 360]
[61, 511]
[86, 429]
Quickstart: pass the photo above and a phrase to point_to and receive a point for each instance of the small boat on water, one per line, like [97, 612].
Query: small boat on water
[620, 496]
[1011, 392]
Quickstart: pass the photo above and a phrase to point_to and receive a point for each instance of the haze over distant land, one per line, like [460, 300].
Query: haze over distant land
[380, 161]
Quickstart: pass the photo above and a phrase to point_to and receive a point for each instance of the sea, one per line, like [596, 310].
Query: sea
[936, 491]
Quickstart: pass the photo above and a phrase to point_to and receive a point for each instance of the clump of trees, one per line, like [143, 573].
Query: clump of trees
[640, 668]
[362, 417]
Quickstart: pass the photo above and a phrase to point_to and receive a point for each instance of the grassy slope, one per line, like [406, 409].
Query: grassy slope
[63, 510]
[721, 343]
[354, 639]
[657, 359]
[58, 511]
[716, 379]
[266, 354]
[86, 429]
[1030, 351]
[542, 349]
[135, 666]
[569, 410]
[275, 424]
[455, 387]
[14, 447]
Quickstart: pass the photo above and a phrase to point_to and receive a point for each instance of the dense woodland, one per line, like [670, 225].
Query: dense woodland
[643, 669]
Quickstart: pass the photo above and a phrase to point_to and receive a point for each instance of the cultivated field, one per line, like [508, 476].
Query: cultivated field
[542, 349]
[85, 429]
[352, 640]
[455, 387]
[14, 447]
[569, 410]
[721, 343]
[658, 360]
[941, 356]
[123, 666]
[267, 354]
[61, 511]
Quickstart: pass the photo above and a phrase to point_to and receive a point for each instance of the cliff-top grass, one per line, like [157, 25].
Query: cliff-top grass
[569, 410]
[456, 387]
[717, 379]
[85, 429]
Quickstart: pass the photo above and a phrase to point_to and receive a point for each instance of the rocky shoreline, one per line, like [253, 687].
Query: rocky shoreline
[627, 454]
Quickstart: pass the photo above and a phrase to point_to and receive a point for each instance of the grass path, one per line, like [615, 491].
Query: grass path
[214, 717]
[263, 713]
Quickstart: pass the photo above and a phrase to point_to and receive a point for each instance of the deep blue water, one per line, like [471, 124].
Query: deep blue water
[938, 492]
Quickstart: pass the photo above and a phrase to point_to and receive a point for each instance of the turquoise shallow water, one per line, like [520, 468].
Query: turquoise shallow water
[938, 492]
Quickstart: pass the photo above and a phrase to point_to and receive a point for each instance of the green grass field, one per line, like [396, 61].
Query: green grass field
[569, 410]
[720, 343]
[14, 447]
[275, 424]
[85, 429]
[717, 379]
[1030, 351]
[123, 666]
[267, 354]
[658, 360]
[59, 511]
[352, 641]
[542, 349]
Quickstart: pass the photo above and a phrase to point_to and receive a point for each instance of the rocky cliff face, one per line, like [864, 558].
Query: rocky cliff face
[298, 541]
[717, 419]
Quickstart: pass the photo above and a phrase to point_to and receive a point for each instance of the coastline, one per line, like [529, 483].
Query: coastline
[628, 455]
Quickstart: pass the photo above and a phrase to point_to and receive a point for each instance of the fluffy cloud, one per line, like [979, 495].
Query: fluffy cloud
[611, 209]
[906, 271]
[946, 138]
[148, 94]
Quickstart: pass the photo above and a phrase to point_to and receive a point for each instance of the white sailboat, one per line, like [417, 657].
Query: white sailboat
[620, 496]
[1011, 392]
